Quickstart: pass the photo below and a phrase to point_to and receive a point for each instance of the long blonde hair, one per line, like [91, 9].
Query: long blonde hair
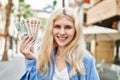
[74, 51]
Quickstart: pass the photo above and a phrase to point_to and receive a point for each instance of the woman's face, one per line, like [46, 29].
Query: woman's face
[63, 30]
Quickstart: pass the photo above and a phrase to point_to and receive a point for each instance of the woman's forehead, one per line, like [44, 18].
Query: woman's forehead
[65, 16]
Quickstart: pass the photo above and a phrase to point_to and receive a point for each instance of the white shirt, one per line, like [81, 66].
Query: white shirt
[61, 75]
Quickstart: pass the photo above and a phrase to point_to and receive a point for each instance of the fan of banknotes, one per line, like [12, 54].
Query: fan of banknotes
[29, 26]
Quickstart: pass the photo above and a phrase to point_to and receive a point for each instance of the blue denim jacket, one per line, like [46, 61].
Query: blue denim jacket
[89, 62]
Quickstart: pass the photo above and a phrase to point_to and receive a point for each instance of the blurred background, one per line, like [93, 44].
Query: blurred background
[101, 21]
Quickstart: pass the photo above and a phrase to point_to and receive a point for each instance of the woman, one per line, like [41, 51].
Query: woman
[62, 54]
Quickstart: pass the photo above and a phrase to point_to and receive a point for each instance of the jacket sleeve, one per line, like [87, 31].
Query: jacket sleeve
[91, 71]
[31, 72]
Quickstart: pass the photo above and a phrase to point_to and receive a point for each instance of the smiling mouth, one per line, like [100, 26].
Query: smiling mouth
[62, 38]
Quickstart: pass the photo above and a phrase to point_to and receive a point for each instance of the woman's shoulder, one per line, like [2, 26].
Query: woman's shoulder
[88, 57]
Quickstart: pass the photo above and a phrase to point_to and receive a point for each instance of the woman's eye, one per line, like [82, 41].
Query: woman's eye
[57, 26]
[68, 27]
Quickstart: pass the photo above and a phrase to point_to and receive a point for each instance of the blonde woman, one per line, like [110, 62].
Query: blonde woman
[62, 54]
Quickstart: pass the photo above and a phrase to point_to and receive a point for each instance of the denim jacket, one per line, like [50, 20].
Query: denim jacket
[89, 62]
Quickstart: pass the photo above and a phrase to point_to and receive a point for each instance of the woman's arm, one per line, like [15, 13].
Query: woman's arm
[26, 49]
[31, 72]
[91, 71]
[93, 74]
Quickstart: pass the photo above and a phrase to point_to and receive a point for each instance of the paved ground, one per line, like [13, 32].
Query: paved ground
[13, 69]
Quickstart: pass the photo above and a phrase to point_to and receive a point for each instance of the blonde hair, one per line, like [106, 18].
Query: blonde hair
[74, 50]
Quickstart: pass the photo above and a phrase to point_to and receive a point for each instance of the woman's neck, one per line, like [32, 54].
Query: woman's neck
[60, 59]
[60, 52]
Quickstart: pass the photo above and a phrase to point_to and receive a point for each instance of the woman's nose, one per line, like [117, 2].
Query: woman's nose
[62, 31]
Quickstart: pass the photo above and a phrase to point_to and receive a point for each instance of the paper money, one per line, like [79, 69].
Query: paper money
[29, 26]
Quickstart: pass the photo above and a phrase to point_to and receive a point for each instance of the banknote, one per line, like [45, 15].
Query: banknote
[29, 26]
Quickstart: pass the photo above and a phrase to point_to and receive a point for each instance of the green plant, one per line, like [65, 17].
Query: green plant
[24, 10]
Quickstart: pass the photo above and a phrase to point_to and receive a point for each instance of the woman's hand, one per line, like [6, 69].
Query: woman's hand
[26, 47]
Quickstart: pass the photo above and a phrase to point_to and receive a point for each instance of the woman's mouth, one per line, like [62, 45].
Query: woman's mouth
[62, 38]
